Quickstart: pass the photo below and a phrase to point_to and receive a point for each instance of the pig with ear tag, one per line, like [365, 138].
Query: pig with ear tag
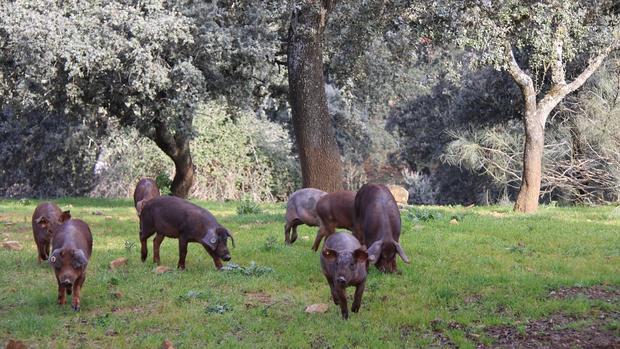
[377, 225]
[173, 217]
[71, 249]
[344, 262]
[46, 216]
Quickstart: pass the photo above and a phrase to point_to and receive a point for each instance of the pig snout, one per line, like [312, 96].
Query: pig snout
[66, 283]
[226, 257]
[341, 280]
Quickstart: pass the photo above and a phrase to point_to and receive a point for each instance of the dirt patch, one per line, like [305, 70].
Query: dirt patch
[558, 331]
[597, 292]
[254, 299]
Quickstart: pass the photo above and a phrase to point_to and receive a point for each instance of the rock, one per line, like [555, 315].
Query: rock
[162, 269]
[12, 245]
[118, 262]
[111, 332]
[14, 344]
[117, 294]
[316, 308]
[454, 221]
[167, 344]
[401, 195]
[97, 213]
[305, 238]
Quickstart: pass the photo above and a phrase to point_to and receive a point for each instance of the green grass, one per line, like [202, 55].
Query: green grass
[494, 267]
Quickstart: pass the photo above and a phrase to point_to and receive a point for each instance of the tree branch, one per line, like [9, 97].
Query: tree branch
[558, 69]
[593, 64]
[522, 79]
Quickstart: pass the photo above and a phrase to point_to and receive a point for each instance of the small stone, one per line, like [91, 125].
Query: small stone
[110, 332]
[167, 344]
[12, 245]
[162, 269]
[305, 238]
[118, 262]
[316, 308]
[454, 221]
[97, 213]
[15, 344]
[117, 294]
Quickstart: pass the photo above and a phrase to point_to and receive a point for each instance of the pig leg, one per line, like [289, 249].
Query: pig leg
[41, 252]
[61, 295]
[294, 236]
[216, 260]
[342, 301]
[77, 287]
[318, 238]
[46, 249]
[357, 299]
[182, 253]
[156, 243]
[287, 233]
[332, 290]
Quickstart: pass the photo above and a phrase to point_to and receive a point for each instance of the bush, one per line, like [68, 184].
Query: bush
[247, 206]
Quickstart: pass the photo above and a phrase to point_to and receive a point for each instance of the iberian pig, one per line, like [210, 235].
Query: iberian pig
[146, 189]
[174, 217]
[377, 225]
[301, 209]
[72, 246]
[344, 262]
[335, 210]
[46, 216]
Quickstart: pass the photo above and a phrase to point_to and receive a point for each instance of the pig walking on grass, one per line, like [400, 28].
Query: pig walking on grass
[301, 209]
[71, 248]
[344, 262]
[146, 189]
[335, 210]
[377, 225]
[45, 217]
[174, 217]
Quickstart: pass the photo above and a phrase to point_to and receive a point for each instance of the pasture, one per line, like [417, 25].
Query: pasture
[495, 276]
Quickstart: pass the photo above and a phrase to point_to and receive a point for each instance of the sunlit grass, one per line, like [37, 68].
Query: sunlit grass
[493, 267]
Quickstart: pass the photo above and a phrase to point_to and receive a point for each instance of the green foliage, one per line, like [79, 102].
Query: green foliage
[163, 183]
[423, 214]
[251, 270]
[248, 206]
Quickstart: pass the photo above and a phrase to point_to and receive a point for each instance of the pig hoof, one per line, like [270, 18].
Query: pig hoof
[345, 316]
[355, 309]
[75, 307]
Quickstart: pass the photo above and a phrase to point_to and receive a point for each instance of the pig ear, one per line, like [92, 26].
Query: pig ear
[210, 239]
[374, 252]
[42, 221]
[361, 255]
[79, 259]
[226, 233]
[54, 259]
[65, 216]
[329, 253]
[401, 253]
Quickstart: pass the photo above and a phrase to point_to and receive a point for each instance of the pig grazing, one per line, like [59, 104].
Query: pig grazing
[300, 209]
[174, 217]
[377, 225]
[335, 210]
[146, 189]
[46, 216]
[71, 248]
[344, 262]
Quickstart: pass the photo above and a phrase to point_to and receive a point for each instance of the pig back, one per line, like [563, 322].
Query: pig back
[337, 208]
[341, 241]
[302, 205]
[170, 215]
[377, 214]
[75, 234]
[145, 189]
[48, 209]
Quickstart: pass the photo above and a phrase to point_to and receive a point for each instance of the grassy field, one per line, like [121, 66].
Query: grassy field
[494, 269]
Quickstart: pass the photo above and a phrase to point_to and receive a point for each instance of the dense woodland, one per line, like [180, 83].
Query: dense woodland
[459, 101]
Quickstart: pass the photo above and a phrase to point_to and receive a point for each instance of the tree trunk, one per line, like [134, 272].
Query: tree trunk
[527, 200]
[177, 148]
[321, 165]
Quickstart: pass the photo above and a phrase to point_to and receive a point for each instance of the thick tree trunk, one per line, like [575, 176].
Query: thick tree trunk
[177, 148]
[527, 200]
[321, 165]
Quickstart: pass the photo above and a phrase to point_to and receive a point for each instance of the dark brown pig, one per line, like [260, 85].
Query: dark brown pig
[71, 248]
[301, 209]
[377, 225]
[174, 217]
[335, 210]
[146, 189]
[46, 216]
[344, 262]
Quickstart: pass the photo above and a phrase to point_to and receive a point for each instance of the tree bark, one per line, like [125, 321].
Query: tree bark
[527, 200]
[321, 165]
[177, 148]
